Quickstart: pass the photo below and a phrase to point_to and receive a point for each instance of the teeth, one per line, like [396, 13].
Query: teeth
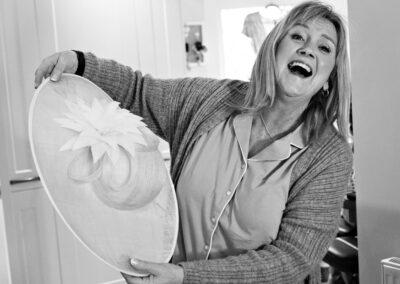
[301, 64]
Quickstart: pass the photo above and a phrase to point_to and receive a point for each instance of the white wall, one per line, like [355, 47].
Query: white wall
[106, 29]
[375, 51]
[192, 10]
[125, 31]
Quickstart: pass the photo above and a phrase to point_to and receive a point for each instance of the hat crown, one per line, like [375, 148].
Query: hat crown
[103, 173]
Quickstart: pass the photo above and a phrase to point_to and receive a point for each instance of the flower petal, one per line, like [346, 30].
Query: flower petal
[98, 151]
[84, 141]
[69, 144]
[66, 123]
[129, 147]
[114, 154]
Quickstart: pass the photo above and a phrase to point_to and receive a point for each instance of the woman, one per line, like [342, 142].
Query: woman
[259, 169]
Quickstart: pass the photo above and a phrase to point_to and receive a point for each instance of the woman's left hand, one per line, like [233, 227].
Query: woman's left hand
[159, 273]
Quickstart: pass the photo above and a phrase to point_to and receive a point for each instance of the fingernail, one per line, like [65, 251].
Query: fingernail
[133, 261]
[53, 78]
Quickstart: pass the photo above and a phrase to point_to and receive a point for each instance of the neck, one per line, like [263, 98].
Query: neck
[283, 114]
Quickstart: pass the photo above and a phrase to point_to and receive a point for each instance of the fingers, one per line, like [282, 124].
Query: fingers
[159, 273]
[55, 65]
[141, 267]
[146, 267]
[138, 280]
[45, 68]
[58, 69]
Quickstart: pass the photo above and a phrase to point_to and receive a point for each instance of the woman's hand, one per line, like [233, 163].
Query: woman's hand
[159, 273]
[55, 65]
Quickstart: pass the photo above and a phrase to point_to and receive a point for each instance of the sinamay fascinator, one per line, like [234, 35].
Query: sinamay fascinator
[102, 171]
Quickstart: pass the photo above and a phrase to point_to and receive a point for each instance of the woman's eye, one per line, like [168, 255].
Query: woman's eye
[325, 49]
[297, 37]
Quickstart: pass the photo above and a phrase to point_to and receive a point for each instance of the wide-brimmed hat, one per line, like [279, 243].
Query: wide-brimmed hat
[102, 170]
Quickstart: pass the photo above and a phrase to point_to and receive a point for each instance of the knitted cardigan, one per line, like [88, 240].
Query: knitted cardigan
[179, 111]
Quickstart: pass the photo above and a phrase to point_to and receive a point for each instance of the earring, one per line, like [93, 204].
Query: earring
[325, 90]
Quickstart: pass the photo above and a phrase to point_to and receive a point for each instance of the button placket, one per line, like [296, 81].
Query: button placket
[214, 219]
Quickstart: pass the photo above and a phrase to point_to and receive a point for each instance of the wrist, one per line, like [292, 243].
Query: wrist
[80, 62]
[180, 274]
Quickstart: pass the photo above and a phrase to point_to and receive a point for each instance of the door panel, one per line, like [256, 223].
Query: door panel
[19, 52]
[35, 257]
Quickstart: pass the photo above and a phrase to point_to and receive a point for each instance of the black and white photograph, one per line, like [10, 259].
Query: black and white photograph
[199, 141]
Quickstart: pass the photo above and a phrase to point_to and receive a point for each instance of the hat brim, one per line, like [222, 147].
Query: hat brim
[114, 236]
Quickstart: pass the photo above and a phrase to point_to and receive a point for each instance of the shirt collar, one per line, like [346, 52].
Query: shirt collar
[279, 150]
[297, 138]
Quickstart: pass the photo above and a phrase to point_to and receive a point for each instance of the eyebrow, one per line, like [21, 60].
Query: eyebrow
[323, 35]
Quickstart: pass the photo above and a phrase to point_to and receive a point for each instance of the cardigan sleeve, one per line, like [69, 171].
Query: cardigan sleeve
[140, 94]
[308, 227]
[159, 101]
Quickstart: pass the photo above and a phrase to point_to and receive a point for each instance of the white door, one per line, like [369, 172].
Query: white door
[36, 246]
[29, 224]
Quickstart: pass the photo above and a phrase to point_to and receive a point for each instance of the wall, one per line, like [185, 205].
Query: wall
[192, 10]
[98, 27]
[122, 30]
[375, 51]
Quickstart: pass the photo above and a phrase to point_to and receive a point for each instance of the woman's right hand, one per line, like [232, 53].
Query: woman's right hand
[56, 64]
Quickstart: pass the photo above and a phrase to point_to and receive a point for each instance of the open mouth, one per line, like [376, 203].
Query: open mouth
[300, 69]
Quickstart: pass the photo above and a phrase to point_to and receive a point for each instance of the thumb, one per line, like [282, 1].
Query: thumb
[145, 267]
[56, 73]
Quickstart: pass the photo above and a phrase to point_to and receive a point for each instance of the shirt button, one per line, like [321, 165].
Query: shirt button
[206, 247]
[243, 166]
[213, 219]
[228, 193]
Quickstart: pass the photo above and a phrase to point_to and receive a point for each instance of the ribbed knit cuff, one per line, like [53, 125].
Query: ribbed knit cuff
[92, 68]
[81, 63]
[189, 273]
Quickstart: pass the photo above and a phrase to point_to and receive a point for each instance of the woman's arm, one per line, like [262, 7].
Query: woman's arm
[165, 104]
[142, 95]
[307, 229]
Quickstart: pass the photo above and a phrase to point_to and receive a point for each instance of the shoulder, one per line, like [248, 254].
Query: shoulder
[328, 151]
[211, 85]
[325, 165]
[212, 92]
[332, 145]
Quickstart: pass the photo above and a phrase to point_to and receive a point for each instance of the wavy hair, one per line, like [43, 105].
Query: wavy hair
[321, 110]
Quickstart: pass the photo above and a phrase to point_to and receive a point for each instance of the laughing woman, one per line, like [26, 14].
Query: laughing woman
[259, 168]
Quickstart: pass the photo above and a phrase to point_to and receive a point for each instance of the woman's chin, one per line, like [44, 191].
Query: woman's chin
[298, 94]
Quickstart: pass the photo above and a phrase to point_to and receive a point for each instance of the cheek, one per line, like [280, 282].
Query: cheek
[327, 67]
[282, 53]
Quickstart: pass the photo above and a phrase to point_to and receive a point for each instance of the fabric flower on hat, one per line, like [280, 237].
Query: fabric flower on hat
[103, 127]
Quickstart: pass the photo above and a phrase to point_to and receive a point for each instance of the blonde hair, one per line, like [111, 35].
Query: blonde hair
[321, 110]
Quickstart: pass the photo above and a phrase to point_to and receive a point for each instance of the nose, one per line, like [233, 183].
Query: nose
[306, 51]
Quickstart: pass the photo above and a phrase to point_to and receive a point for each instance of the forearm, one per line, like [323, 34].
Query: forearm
[279, 262]
[140, 94]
